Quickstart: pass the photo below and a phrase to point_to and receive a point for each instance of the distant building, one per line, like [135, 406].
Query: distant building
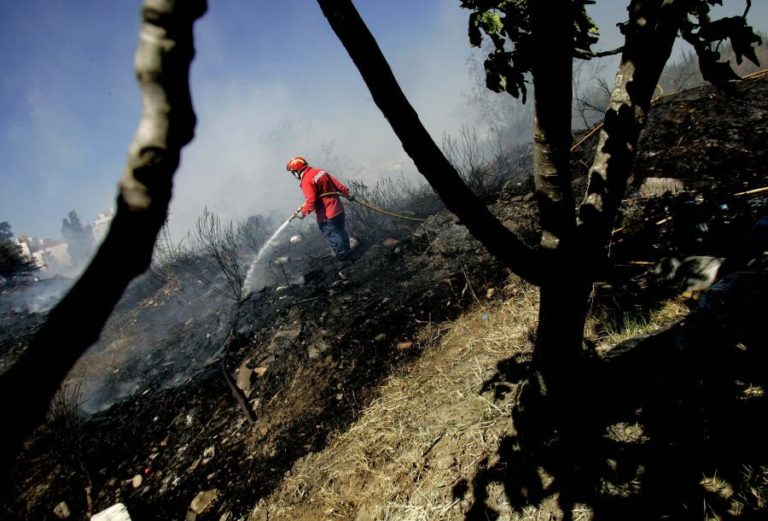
[28, 246]
[22, 242]
[49, 255]
[101, 224]
[54, 255]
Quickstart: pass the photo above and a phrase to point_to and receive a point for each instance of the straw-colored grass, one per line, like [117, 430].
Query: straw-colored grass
[609, 333]
[432, 426]
[428, 428]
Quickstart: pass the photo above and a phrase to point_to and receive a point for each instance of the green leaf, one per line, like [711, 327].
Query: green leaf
[716, 72]
[742, 41]
[491, 22]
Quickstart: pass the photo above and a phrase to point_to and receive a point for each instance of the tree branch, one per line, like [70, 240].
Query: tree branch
[650, 33]
[586, 54]
[162, 63]
[418, 144]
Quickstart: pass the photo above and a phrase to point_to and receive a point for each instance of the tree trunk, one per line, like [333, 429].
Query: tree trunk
[572, 254]
[162, 63]
[552, 72]
[651, 32]
[564, 292]
[559, 357]
[426, 155]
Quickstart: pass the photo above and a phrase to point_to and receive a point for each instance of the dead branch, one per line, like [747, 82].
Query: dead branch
[585, 54]
[221, 243]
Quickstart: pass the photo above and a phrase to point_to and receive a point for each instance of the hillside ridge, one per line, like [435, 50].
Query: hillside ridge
[391, 392]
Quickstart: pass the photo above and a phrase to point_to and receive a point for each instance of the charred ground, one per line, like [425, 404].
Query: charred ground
[311, 358]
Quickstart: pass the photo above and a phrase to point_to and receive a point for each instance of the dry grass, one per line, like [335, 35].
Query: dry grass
[609, 333]
[747, 494]
[427, 429]
[432, 426]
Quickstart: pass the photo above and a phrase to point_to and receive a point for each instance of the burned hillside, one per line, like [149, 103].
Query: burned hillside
[310, 351]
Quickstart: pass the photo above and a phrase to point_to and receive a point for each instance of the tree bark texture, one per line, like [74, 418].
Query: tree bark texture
[552, 72]
[650, 34]
[418, 144]
[651, 31]
[564, 292]
[162, 62]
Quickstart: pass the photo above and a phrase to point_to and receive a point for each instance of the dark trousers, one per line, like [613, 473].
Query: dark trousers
[336, 234]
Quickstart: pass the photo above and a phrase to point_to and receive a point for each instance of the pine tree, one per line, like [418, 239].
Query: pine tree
[12, 262]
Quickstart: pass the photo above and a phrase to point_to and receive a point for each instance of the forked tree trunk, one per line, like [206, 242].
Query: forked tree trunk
[650, 34]
[576, 253]
[162, 63]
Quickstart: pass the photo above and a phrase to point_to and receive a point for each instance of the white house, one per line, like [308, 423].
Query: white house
[100, 225]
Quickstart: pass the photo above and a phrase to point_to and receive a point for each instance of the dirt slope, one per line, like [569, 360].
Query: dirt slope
[392, 393]
[672, 428]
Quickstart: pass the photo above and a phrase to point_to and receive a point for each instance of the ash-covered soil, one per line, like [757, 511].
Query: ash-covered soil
[308, 358]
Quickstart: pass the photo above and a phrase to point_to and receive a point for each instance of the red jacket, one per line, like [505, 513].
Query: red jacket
[314, 183]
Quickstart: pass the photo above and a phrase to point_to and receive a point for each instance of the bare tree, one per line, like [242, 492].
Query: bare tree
[221, 242]
[167, 123]
[396, 194]
[682, 74]
[167, 256]
[483, 164]
[591, 92]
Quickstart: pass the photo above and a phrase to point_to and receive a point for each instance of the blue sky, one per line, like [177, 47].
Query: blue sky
[269, 81]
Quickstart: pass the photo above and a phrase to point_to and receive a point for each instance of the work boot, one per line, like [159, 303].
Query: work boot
[342, 266]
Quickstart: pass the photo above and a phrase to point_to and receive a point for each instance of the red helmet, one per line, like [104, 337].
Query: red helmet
[296, 164]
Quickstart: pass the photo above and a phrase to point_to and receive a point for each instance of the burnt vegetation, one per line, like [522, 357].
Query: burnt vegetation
[634, 392]
[310, 349]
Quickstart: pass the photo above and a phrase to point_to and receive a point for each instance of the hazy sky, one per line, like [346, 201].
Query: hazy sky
[270, 80]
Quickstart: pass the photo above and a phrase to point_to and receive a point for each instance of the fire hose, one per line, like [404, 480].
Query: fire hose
[372, 207]
[240, 397]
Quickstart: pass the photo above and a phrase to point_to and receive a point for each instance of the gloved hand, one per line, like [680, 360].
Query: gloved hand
[298, 215]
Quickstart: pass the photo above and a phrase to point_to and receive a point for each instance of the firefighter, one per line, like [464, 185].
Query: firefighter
[321, 191]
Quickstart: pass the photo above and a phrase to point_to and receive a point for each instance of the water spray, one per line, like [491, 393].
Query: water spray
[247, 289]
[264, 248]
[242, 400]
